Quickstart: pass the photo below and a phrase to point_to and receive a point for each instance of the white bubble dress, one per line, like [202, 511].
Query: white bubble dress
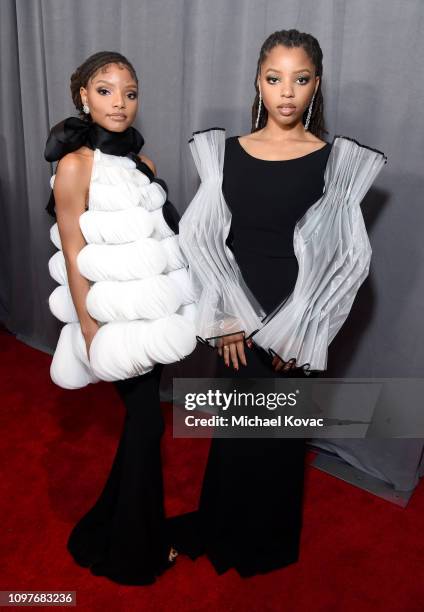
[140, 291]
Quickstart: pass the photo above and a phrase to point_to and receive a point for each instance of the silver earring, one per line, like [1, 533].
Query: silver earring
[85, 108]
[259, 110]
[308, 118]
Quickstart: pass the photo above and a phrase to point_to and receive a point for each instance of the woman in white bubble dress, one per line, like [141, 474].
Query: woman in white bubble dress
[124, 297]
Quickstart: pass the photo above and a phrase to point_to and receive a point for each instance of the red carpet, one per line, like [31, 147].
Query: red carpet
[358, 552]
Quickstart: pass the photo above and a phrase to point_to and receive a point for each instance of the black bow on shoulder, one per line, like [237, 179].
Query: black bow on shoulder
[73, 133]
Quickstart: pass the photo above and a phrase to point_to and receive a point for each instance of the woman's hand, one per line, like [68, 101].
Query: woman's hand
[89, 333]
[232, 347]
[278, 364]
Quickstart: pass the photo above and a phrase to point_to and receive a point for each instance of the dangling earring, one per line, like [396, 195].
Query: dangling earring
[308, 118]
[85, 108]
[259, 109]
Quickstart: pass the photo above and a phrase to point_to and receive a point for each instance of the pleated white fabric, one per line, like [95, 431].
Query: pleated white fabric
[140, 291]
[225, 304]
[330, 243]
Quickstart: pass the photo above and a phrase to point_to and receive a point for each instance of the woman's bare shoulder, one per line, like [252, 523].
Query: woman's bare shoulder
[252, 136]
[77, 159]
[74, 165]
[314, 139]
[73, 175]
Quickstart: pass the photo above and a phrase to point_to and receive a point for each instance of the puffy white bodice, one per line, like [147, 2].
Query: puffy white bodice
[140, 291]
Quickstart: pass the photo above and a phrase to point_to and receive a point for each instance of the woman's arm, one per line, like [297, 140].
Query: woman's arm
[333, 252]
[227, 311]
[70, 191]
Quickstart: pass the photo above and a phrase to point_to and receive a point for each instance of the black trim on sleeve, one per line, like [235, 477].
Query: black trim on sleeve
[361, 145]
[212, 129]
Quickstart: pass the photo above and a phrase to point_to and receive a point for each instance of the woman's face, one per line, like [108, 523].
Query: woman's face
[112, 97]
[287, 81]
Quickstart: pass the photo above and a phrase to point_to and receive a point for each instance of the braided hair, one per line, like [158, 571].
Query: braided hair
[87, 69]
[293, 38]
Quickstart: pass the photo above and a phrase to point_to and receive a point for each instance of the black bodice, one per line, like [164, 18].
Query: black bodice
[266, 199]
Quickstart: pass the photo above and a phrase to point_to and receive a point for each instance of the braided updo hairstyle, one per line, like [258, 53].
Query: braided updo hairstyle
[293, 38]
[88, 68]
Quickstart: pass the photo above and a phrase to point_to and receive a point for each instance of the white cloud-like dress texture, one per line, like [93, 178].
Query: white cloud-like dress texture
[140, 291]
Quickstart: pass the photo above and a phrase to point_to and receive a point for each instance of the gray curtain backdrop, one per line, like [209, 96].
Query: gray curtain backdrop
[196, 61]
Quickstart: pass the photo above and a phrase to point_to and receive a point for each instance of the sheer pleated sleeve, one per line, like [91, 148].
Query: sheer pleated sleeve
[225, 305]
[334, 253]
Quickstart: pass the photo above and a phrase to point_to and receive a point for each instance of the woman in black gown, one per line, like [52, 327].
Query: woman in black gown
[260, 479]
[250, 511]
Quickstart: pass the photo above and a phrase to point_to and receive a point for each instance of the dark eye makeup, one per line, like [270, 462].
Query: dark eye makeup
[272, 79]
[104, 92]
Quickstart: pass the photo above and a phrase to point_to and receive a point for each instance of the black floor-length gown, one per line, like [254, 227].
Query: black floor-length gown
[250, 510]
[123, 536]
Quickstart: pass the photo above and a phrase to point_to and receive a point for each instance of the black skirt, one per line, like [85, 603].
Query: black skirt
[123, 537]
[250, 510]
